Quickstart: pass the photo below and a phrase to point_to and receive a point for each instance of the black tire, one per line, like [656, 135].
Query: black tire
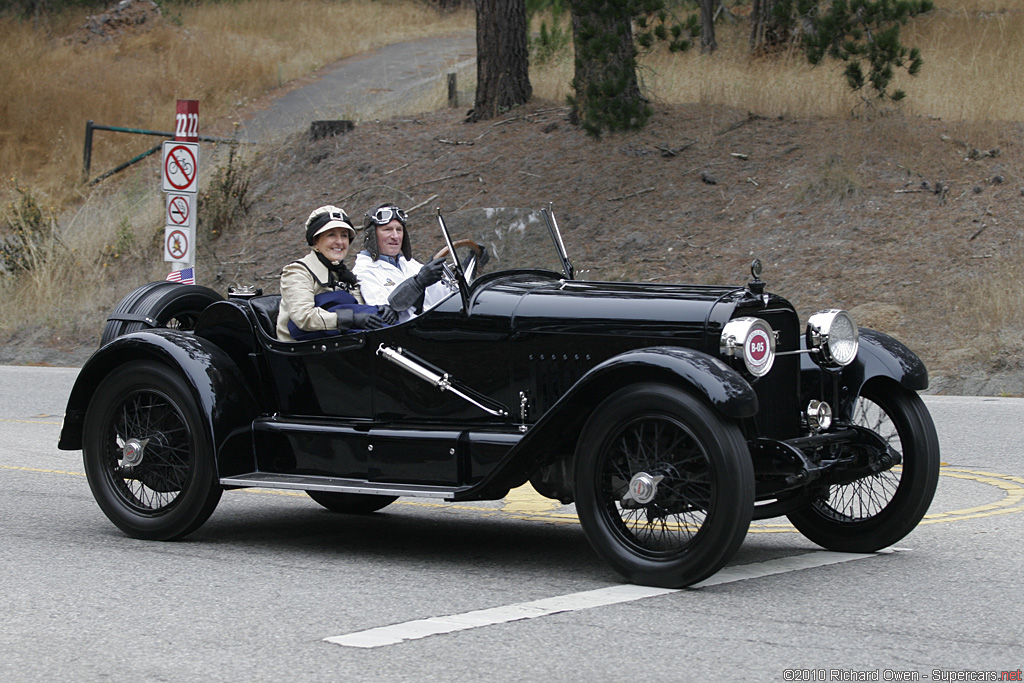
[351, 503]
[878, 510]
[169, 304]
[173, 488]
[697, 515]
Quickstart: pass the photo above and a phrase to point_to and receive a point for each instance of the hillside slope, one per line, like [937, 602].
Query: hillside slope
[911, 224]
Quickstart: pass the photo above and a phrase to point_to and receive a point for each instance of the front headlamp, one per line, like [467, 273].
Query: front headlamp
[753, 340]
[834, 336]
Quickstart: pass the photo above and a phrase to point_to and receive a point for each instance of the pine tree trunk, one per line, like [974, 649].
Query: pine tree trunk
[765, 34]
[607, 93]
[502, 58]
[708, 44]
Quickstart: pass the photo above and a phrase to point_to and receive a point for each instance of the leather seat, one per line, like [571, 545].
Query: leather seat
[265, 308]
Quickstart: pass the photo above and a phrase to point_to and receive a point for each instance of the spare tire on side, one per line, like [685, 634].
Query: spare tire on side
[158, 304]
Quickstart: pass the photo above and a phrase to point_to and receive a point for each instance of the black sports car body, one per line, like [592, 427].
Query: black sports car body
[670, 415]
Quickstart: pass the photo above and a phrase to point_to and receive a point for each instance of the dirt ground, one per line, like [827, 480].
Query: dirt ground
[896, 219]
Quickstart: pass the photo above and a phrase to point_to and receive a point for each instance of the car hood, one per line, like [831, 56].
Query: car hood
[625, 308]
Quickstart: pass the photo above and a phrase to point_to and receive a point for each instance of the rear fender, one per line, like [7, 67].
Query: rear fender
[218, 387]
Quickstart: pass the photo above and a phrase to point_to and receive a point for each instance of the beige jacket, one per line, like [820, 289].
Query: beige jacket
[301, 281]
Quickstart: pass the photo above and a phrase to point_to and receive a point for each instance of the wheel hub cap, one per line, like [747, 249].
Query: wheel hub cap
[643, 487]
[131, 454]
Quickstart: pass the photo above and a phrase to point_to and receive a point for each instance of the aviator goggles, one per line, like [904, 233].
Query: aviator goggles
[386, 214]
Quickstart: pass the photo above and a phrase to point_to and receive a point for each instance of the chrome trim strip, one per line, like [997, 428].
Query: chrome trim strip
[790, 353]
[443, 382]
[270, 480]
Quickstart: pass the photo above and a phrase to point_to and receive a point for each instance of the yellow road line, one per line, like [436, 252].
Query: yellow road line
[37, 469]
[525, 504]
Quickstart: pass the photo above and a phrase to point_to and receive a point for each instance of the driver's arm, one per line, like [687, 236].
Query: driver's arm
[409, 293]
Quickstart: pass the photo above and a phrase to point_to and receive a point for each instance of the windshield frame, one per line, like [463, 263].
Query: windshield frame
[465, 272]
[556, 237]
[460, 274]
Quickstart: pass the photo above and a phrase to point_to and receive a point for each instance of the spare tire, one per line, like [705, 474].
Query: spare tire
[158, 304]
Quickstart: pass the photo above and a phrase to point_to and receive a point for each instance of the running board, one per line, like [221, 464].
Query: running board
[270, 480]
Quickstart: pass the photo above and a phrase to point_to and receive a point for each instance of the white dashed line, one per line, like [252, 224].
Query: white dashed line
[422, 628]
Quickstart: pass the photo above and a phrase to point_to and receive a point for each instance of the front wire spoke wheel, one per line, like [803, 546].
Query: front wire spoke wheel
[881, 508]
[658, 447]
[664, 485]
[865, 498]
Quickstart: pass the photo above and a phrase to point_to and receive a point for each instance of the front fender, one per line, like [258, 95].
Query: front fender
[721, 386]
[724, 388]
[218, 386]
[556, 432]
[882, 356]
[879, 355]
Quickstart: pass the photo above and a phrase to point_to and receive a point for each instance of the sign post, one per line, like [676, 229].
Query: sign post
[180, 182]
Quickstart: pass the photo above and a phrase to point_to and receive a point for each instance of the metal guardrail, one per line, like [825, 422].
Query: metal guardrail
[87, 152]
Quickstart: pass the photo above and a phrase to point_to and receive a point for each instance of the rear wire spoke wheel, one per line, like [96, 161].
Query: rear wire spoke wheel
[880, 509]
[146, 454]
[664, 486]
[351, 503]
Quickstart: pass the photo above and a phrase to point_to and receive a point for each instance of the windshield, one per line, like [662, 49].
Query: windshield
[514, 238]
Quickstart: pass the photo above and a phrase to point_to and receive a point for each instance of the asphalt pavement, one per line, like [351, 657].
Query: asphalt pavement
[273, 587]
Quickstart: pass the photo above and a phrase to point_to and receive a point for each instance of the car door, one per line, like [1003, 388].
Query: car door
[423, 433]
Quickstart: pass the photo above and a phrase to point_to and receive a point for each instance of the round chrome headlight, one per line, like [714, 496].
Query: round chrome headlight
[834, 334]
[753, 340]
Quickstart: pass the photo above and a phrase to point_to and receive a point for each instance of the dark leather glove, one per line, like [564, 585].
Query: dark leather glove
[430, 273]
[408, 294]
[367, 321]
[387, 314]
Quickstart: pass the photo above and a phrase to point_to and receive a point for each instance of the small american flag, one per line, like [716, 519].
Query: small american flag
[186, 276]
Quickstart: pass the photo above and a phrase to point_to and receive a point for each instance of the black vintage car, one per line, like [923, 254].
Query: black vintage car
[670, 415]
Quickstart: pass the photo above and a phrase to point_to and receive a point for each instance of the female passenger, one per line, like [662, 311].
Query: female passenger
[320, 296]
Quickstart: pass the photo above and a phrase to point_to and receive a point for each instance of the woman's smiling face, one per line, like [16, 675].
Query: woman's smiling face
[333, 244]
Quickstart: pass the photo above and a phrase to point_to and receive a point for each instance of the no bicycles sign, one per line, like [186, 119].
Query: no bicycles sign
[181, 166]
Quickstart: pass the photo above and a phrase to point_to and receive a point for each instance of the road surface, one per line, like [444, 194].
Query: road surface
[274, 588]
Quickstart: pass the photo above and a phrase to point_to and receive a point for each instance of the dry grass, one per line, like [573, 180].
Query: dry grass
[989, 303]
[227, 57]
[973, 50]
[223, 54]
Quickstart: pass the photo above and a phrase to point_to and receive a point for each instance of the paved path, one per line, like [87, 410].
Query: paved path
[365, 85]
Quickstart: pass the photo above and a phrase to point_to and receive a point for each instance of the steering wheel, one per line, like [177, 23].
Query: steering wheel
[475, 263]
[473, 246]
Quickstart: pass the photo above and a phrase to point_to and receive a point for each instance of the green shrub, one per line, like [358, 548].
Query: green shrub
[226, 203]
[550, 42]
[29, 234]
